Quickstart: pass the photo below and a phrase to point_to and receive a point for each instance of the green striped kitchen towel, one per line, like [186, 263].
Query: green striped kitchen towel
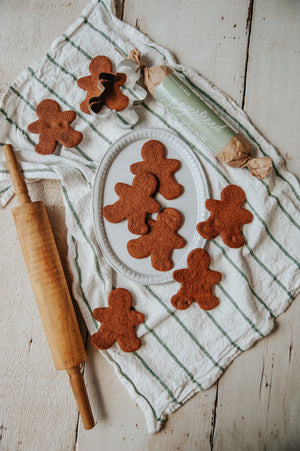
[183, 351]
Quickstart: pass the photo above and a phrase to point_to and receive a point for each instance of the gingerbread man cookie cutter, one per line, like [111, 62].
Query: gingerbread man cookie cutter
[128, 116]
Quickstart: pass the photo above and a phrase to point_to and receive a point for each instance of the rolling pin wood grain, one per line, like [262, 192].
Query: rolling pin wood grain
[49, 286]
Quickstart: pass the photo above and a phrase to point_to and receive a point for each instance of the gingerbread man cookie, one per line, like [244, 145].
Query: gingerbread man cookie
[109, 91]
[160, 241]
[227, 217]
[117, 322]
[153, 153]
[196, 282]
[134, 203]
[53, 126]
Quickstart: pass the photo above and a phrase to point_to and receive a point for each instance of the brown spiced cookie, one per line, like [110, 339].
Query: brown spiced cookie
[160, 241]
[117, 322]
[227, 217]
[134, 203]
[102, 86]
[196, 282]
[53, 126]
[153, 153]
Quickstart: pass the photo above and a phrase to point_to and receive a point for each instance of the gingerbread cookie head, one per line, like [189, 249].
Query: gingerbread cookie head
[196, 282]
[160, 241]
[227, 217]
[53, 126]
[154, 160]
[134, 204]
[117, 322]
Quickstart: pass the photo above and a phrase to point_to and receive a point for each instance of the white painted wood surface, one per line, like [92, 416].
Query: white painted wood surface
[251, 50]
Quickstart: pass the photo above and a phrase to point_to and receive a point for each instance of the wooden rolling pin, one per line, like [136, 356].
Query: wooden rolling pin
[49, 286]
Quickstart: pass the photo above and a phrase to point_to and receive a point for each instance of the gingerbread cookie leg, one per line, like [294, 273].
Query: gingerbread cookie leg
[208, 302]
[234, 238]
[102, 340]
[162, 259]
[180, 301]
[130, 343]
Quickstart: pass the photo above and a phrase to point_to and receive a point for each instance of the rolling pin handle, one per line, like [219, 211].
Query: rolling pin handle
[16, 175]
[81, 396]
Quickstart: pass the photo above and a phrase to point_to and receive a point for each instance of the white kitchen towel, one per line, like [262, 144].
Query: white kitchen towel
[182, 351]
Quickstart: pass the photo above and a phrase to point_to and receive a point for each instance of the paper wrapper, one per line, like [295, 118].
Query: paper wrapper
[237, 154]
[230, 147]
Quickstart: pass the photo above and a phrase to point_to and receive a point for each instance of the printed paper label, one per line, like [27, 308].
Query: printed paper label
[180, 100]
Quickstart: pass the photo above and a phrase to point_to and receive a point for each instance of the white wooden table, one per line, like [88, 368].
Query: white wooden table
[251, 50]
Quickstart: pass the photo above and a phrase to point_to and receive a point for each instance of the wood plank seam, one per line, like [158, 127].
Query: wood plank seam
[248, 29]
[214, 417]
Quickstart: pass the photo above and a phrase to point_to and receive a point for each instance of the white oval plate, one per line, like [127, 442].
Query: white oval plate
[114, 168]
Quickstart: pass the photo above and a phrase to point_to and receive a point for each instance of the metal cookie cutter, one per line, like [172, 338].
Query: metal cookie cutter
[128, 117]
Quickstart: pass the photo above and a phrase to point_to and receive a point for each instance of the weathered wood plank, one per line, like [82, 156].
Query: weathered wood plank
[37, 407]
[273, 96]
[210, 37]
[36, 400]
[259, 403]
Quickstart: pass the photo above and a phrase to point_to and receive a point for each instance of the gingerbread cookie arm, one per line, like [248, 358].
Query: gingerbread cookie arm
[114, 213]
[172, 165]
[207, 229]
[212, 205]
[139, 247]
[180, 275]
[84, 82]
[136, 317]
[212, 278]
[100, 314]
[137, 168]
[68, 116]
[117, 211]
[246, 216]
[34, 127]
[179, 241]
